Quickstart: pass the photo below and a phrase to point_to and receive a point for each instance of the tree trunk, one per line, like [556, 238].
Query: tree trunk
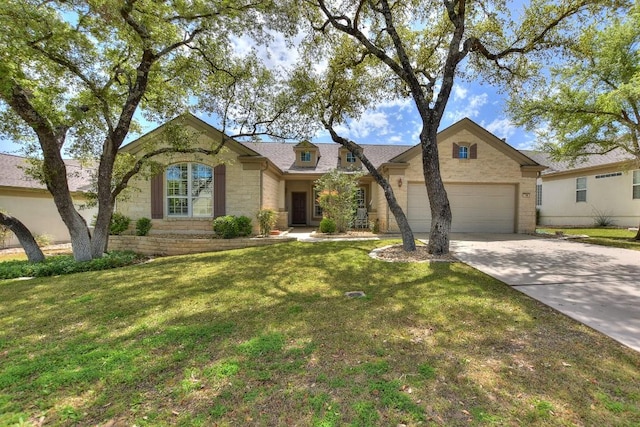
[408, 240]
[438, 200]
[34, 254]
[637, 234]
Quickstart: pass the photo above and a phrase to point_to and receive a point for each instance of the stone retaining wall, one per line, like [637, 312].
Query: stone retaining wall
[167, 246]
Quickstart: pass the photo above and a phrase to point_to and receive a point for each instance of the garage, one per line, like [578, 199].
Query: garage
[476, 208]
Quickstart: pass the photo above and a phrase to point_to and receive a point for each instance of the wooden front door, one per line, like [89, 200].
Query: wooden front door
[299, 204]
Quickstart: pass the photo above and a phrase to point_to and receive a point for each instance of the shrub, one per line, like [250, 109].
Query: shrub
[602, 218]
[226, 226]
[267, 219]
[337, 192]
[374, 226]
[119, 223]
[43, 239]
[65, 264]
[244, 225]
[143, 225]
[327, 225]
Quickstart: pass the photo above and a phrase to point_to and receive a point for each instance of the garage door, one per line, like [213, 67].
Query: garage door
[487, 208]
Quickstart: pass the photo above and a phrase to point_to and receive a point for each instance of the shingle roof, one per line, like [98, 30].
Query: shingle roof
[12, 174]
[593, 160]
[283, 156]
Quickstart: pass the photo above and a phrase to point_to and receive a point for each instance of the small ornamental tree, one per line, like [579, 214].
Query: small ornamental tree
[337, 197]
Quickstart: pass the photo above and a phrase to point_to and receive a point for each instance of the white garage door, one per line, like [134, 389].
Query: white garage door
[486, 208]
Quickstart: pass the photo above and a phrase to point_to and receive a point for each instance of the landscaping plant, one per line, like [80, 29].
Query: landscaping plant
[337, 192]
[267, 219]
[143, 226]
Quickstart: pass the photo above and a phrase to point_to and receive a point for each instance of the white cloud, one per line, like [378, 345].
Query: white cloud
[470, 107]
[502, 128]
[459, 92]
[371, 122]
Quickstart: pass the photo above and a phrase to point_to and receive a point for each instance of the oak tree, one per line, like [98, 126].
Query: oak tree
[74, 74]
[589, 101]
[426, 45]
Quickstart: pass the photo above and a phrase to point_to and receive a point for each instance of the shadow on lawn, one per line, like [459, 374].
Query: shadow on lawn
[133, 342]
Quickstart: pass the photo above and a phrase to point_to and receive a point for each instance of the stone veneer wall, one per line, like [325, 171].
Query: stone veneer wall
[165, 246]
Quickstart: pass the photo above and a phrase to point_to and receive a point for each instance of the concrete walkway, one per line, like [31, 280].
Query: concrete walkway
[596, 285]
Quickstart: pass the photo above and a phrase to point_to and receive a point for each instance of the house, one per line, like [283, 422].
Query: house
[605, 186]
[29, 201]
[491, 185]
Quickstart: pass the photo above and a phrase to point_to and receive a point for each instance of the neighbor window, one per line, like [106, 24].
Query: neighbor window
[636, 184]
[351, 158]
[463, 152]
[581, 189]
[189, 190]
[305, 156]
[539, 195]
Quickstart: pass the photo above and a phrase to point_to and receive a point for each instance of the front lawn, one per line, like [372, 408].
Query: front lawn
[617, 237]
[266, 336]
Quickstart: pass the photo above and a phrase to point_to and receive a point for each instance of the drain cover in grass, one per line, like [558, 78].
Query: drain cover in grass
[355, 294]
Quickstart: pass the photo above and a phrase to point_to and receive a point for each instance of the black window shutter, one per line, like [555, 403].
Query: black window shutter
[473, 151]
[219, 196]
[157, 196]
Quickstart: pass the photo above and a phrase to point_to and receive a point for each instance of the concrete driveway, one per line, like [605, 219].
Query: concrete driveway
[596, 285]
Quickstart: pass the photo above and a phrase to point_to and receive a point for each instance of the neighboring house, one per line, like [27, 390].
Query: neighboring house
[601, 185]
[29, 201]
[491, 185]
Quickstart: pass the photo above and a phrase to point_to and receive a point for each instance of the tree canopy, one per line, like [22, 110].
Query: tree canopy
[588, 102]
[417, 49]
[73, 75]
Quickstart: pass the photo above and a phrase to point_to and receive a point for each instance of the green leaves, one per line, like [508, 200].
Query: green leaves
[589, 101]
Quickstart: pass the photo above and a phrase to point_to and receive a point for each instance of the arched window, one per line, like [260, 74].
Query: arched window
[189, 190]
[463, 152]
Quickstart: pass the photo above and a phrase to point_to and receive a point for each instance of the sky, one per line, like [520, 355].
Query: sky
[394, 122]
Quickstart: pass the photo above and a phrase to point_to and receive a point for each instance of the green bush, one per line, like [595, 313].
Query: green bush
[119, 223]
[143, 225]
[267, 219]
[43, 239]
[226, 226]
[327, 225]
[244, 225]
[65, 264]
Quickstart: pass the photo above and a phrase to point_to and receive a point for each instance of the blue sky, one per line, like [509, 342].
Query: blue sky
[398, 122]
[395, 122]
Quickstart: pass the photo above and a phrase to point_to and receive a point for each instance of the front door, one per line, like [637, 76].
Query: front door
[299, 203]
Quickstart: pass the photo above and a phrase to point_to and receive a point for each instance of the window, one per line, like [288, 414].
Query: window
[317, 210]
[305, 156]
[581, 189]
[539, 195]
[361, 198]
[636, 184]
[351, 158]
[189, 190]
[463, 152]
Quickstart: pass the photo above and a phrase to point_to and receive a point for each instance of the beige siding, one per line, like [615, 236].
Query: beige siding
[491, 167]
[611, 196]
[271, 191]
[38, 212]
[243, 192]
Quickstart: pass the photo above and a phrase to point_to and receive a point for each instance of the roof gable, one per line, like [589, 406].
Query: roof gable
[481, 133]
[305, 144]
[198, 125]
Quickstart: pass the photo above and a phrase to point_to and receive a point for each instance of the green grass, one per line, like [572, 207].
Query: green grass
[616, 237]
[265, 336]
